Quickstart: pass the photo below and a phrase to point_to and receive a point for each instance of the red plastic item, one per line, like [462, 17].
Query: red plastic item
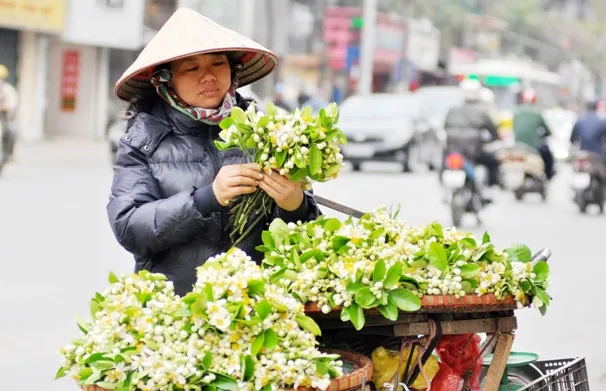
[457, 353]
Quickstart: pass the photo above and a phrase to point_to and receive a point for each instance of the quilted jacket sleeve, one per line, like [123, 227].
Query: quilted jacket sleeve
[142, 222]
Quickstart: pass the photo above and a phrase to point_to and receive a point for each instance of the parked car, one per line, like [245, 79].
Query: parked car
[388, 127]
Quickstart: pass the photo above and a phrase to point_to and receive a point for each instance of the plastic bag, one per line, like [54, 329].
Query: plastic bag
[446, 380]
[457, 353]
[385, 363]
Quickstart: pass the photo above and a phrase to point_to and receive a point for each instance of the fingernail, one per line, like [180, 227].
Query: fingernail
[260, 176]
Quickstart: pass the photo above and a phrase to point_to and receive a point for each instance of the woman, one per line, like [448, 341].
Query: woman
[172, 187]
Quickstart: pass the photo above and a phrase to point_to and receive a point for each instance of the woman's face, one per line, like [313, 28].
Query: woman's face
[202, 80]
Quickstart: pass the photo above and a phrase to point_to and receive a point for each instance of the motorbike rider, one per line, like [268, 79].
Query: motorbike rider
[8, 112]
[530, 128]
[474, 117]
[590, 132]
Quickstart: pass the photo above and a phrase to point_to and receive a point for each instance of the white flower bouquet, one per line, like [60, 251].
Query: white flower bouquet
[380, 262]
[234, 331]
[297, 145]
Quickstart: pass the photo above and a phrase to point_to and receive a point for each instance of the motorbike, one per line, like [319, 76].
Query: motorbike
[523, 171]
[589, 180]
[462, 178]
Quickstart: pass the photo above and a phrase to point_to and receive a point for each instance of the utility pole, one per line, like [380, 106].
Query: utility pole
[368, 43]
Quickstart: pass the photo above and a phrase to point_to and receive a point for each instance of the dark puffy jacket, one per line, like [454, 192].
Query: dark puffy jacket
[161, 207]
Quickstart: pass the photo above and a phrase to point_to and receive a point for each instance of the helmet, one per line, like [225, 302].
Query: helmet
[3, 72]
[471, 89]
[529, 96]
[486, 95]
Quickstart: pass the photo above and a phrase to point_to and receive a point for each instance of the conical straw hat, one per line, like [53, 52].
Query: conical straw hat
[188, 33]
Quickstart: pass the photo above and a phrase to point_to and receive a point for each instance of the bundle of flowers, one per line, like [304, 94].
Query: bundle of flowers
[234, 331]
[381, 262]
[297, 145]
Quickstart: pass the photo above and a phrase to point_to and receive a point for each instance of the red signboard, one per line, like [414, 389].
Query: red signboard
[69, 79]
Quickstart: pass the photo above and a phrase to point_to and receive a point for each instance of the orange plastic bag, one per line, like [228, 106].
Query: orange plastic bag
[457, 353]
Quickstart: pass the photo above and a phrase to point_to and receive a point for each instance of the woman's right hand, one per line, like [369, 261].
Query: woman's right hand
[236, 179]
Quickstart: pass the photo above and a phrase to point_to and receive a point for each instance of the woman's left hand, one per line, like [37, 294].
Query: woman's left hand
[287, 194]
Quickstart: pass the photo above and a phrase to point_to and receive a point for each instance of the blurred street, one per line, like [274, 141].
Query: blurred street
[57, 250]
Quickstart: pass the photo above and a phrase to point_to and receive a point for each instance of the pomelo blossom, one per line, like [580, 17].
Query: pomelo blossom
[297, 145]
[381, 262]
[233, 331]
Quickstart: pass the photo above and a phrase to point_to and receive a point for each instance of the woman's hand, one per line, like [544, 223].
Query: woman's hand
[287, 194]
[236, 179]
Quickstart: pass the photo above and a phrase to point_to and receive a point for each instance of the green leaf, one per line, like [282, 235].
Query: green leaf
[332, 170]
[207, 360]
[93, 378]
[248, 365]
[224, 382]
[322, 368]
[338, 242]
[365, 298]
[543, 309]
[271, 339]
[405, 300]
[268, 240]
[356, 315]
[126, 385]
[250, 143]
[81, 325]
[419, 264]
[112, 278]
[485, 238]
[280, 158]
[468, 242]
[95, 357]
[238, 115]
[226, 123]
[409, 281]
[322, 273]
[525, 286]
[308, 324]
[331, 225]
[541, 269]
[378, 273]
[299, 174]
[107, 385]
[256, 287]
[263, 309]
[221, 146]
[345, 314]
[307, 255]
[469, 270]
[182, 312]
[60, 373]
[277, 276]
[208, 290]
[255, 320]
[279, 230]
[435, 229]
[95, 307]
[354, 287]
[393, 276]
[519, 253]
[437, 256]
[257, 344]
[263, 121]
[315, 160]
[199, 306]
[389, 311]
[469, 286]
[542, 295]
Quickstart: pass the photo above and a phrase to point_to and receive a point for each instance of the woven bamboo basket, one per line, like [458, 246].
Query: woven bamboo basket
[438, 304]
[362, 373]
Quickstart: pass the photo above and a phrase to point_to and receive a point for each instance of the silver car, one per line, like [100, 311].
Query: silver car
[388, 127]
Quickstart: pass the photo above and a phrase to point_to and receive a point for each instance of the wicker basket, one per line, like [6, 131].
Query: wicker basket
[440, 304]
[349, 382]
